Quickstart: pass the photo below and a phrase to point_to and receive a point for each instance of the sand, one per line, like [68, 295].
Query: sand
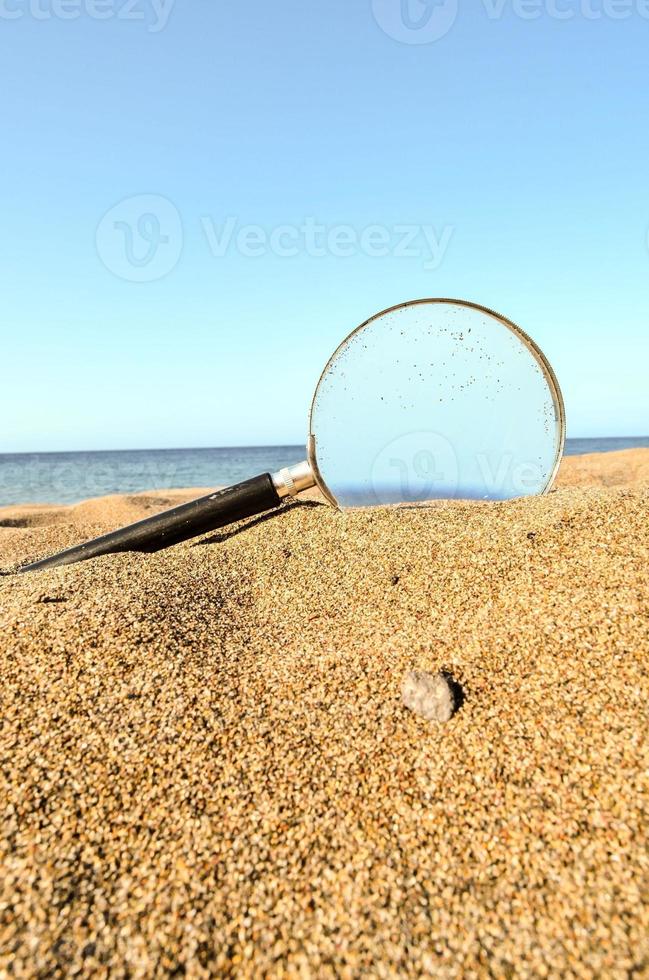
[207, 767]
[621, 468]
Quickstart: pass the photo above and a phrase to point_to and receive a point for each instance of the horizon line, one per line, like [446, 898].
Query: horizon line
[274, 445]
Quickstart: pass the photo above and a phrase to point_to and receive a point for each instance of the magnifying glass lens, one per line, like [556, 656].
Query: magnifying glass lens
[436, 399]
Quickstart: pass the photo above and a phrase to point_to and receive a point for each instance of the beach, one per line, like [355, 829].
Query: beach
[207, 767]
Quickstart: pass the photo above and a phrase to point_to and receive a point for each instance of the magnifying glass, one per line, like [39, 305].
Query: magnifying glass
[432, 399]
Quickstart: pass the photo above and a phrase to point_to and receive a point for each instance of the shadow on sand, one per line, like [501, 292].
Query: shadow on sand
[219, 538]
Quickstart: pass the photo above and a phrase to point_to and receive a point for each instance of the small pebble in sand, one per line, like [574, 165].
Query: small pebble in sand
[430, 696]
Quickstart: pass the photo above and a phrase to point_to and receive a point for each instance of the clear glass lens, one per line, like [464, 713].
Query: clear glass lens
[436, 399]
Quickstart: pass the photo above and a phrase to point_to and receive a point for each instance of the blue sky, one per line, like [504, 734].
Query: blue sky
[201, 199]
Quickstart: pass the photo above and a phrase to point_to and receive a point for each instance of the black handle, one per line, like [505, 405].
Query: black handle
[178, 524]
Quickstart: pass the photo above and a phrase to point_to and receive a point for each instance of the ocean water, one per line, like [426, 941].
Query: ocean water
[64, 478]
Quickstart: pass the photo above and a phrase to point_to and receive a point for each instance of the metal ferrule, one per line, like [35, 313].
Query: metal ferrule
[293, 480]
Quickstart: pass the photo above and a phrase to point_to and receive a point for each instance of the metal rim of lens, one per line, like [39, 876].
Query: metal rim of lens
[531, 345]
